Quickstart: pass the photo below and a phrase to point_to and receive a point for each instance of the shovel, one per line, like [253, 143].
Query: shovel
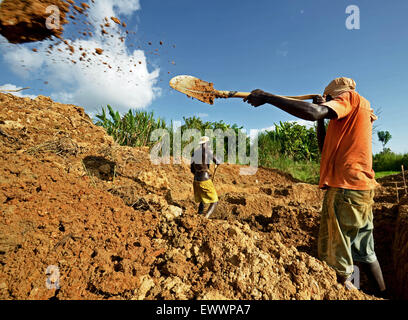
[205, 92]
[215, 170]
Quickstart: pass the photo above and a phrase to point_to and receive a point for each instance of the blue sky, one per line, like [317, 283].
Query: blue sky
[284, 47]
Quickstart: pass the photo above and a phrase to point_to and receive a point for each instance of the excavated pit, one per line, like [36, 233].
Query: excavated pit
[400, 251]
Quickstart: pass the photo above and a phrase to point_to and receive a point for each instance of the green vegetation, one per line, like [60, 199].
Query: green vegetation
[389, 161]
[384, 137]
[133, 129]
[381, 174]
[306, 171]
[290, 147]
[289, 140]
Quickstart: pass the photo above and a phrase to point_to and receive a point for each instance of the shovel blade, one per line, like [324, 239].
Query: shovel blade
[194, 87]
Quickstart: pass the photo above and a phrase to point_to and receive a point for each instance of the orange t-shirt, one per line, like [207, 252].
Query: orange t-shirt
[347, 152]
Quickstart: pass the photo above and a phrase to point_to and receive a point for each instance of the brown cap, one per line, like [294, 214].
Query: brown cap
[338, 86]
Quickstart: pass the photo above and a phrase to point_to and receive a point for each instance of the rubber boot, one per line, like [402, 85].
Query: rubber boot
[375, 277]
[201, 208]
[211, 209]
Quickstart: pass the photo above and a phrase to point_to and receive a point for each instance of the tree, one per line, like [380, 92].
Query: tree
[384, 137]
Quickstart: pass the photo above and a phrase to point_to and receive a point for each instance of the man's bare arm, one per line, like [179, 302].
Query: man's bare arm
[321, 134]
[321, 127]
[301, 109]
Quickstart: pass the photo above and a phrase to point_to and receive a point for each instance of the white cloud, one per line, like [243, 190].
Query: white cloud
[202, 115]
[9, 88]
[108, 8]
[255, 132]
[22, 61]
[92, 84]
[307, 124]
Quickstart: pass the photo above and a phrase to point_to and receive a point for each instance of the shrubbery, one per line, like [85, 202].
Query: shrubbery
[389, 161]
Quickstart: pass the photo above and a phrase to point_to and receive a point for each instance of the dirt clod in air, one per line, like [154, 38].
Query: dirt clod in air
[98, 50]
[116, 20]
[85, 5]
[25, 21]
[79, 9]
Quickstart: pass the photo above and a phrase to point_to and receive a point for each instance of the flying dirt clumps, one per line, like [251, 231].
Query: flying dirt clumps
[116, 20]
[25, 21]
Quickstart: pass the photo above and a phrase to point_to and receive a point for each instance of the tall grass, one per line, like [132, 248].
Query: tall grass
[133, 129]
[306, 171]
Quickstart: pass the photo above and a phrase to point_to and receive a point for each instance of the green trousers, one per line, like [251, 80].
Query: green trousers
[346, 229]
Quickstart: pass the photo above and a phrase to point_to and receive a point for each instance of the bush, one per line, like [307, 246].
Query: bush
[291, 148]
[389, 161]
[289, 140]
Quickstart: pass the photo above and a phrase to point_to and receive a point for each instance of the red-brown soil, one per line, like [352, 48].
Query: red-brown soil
[25, 21]
[119, 227]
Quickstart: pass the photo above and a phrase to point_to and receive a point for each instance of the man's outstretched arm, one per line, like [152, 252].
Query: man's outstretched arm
[321, 134]
[301, 109]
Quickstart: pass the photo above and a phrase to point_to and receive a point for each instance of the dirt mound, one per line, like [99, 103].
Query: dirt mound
[118, 227]
[400, 250]
[25, 21]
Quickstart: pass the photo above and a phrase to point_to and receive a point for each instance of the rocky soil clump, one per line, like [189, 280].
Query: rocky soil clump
[26, 21]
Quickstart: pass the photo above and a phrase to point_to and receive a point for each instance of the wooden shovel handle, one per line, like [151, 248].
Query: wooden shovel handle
[236, 94]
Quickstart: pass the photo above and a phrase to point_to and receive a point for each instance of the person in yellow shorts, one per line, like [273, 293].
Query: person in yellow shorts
[204, 190]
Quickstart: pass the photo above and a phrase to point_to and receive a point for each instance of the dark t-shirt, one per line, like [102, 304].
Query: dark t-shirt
[201, 159]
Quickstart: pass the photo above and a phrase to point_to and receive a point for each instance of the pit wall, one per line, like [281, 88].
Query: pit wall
[400, 250]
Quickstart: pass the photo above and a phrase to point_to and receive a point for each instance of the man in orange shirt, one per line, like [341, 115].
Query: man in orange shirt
[346, 226]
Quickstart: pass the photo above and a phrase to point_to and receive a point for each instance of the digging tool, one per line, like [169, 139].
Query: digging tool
[18, 90]
[215, 170]
[205, 92]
